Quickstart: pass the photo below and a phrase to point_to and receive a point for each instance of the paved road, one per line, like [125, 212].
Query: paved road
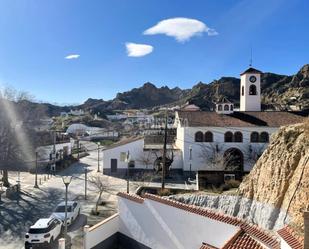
[16, 215]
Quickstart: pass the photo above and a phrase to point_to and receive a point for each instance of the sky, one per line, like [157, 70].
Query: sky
[68, 51]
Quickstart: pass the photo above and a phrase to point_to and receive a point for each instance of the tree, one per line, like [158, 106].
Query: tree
[18, 116]
[101, 185]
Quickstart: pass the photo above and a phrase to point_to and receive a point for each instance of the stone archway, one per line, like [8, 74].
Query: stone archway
[233, 160]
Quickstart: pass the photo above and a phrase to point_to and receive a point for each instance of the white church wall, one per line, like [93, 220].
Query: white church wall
[161, 226]
[201, 151]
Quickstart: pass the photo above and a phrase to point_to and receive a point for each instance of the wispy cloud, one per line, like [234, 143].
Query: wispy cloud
[138, 50]
[181, 28]
[72, 56]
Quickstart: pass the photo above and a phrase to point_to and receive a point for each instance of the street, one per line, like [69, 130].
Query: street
[17, 215]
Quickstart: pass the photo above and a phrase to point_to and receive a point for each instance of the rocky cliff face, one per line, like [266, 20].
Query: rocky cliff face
[281, 176]
[276, 191]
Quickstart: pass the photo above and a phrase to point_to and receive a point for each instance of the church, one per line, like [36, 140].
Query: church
[225, 143]
[219, 145]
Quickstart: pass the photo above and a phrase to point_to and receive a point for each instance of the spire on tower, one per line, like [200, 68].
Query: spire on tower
[250, 65]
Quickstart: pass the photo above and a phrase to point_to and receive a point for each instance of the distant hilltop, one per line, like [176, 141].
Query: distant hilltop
[279, 92]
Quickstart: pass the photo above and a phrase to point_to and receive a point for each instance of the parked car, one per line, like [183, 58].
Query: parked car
[44, 231]
[73, 211]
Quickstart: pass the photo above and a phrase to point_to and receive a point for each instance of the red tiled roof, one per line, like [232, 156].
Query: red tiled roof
[131, 197]
[244, 241]
[251, 230]
[289, 236]
[239, 119]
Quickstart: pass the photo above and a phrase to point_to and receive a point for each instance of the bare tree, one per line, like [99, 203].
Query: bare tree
[101, 185]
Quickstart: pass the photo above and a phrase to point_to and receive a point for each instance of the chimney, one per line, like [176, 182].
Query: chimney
[306, 230]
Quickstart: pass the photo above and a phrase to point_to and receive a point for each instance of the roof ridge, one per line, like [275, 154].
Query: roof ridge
[131, 197]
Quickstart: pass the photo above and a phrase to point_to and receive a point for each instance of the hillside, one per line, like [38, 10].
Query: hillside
[280, 177]
[279, 92]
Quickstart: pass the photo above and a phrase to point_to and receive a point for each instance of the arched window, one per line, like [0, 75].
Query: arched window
[242, 91]
[228, 137]
[264, 137]
[254, 138]
[238, 137]
[219, 107]
[226, 107]
[231, 107]
[208, 137]
[199, 136]
[252, 90]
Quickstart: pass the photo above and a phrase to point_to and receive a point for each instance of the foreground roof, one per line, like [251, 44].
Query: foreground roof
[248, 236]
[238, 119]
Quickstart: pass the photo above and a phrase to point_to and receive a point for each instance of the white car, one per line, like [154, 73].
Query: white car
[73, 211]
[44, 231]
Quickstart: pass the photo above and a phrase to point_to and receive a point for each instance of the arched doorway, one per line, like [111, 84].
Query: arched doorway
[233, 160]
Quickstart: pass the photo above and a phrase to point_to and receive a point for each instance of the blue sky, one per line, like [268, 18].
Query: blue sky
[36, 36]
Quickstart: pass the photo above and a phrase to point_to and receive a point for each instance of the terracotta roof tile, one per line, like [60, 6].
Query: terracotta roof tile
[289, 236]
[131, 197]
[207, 246]
[239, 119]
[244, 241]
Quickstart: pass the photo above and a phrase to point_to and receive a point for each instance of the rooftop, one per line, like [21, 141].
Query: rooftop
[238, 119]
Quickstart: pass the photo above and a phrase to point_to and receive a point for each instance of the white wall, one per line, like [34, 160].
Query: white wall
[137, 154]
[101, 231]
[185, 138]
[161, 226]
[250, 102]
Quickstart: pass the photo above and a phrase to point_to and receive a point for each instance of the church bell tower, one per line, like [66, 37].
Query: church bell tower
[250, 90]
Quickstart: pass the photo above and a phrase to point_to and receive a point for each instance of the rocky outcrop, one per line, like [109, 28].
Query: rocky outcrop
[276, 192]
[281, 176]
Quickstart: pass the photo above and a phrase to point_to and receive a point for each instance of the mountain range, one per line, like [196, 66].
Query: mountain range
[279, 92]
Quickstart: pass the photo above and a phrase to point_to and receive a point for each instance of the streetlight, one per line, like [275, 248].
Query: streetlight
[98, 157]
[66, 180]
[36, 171]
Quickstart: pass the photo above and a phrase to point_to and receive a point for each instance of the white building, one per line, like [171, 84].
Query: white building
[153, 222]
[141, 156]
[224, 143]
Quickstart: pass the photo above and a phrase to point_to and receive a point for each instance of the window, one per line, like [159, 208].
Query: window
[228, 137]
[238, 137]
[226, 107]
[219, 107]
[252, 90]
[199, 136]
[231, 107]
[264, 137]
[242, 91]
[208, 137]
[254, 138]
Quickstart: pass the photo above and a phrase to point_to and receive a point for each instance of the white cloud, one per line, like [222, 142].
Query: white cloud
[138, 50]
[181, 28]
[72, 56]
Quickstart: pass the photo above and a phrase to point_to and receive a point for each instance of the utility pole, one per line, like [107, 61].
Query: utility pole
[98, 157]
[128, 173]
[78, 149]
[36, 170]
[86, 171]
[164, 153]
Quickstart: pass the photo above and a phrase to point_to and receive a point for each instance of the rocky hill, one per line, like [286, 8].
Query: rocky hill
[280, 177]
[279, 92]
